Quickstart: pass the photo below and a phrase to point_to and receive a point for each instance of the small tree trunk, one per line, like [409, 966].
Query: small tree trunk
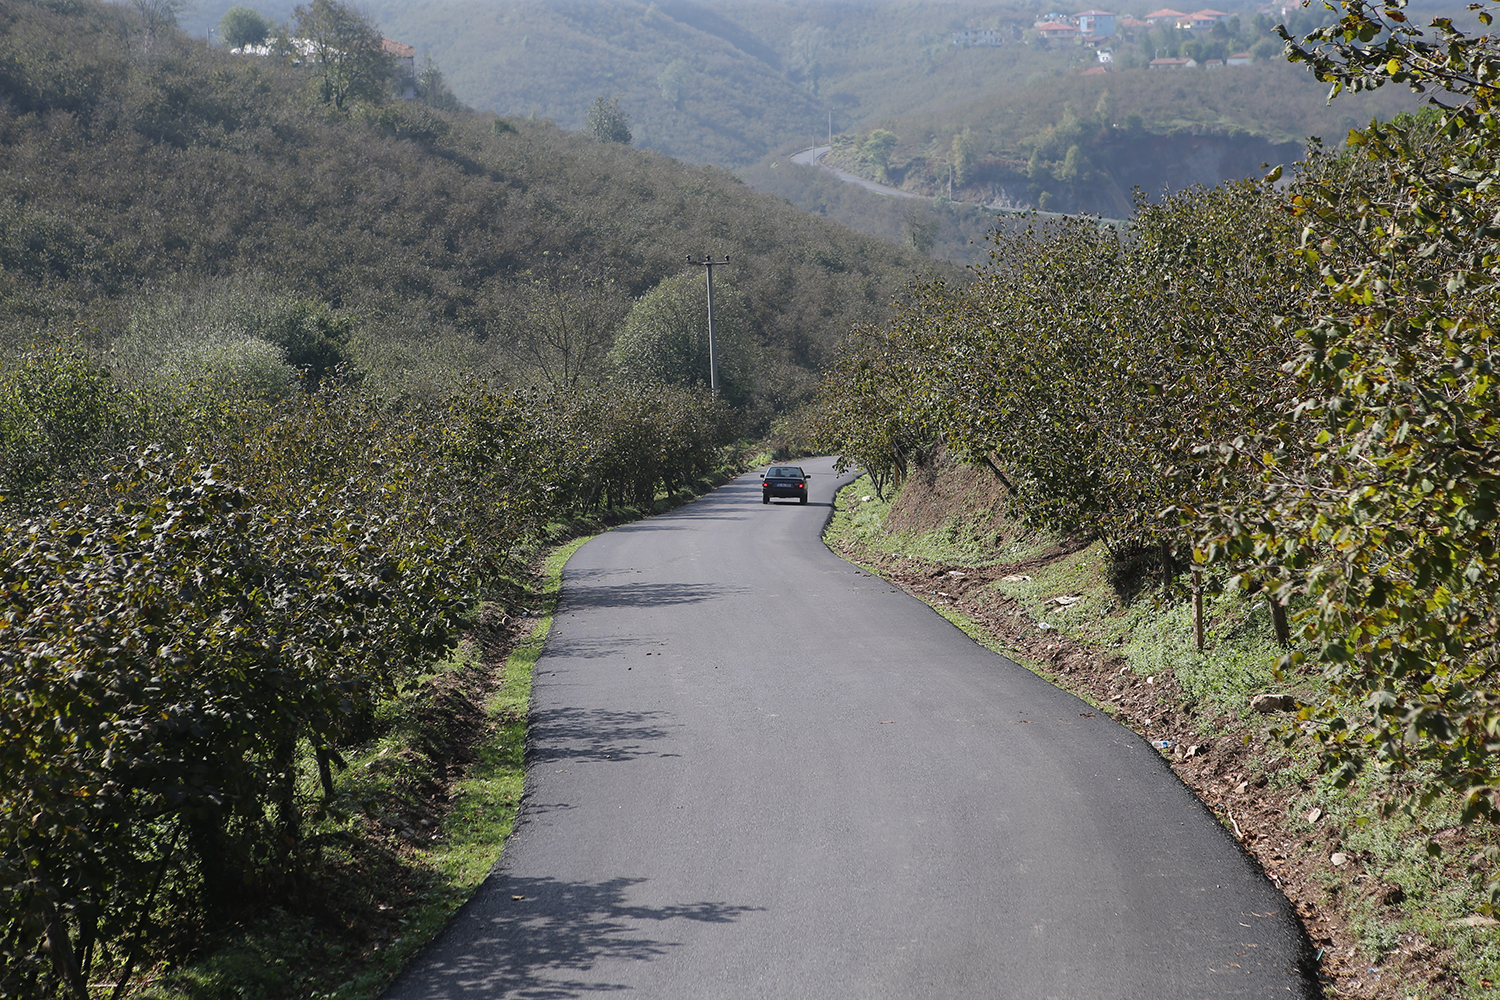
[285, 763]
[61, 949]
[1198, 608]
[1279, 624]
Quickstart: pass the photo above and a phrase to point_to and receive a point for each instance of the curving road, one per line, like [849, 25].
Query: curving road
[757, 772]
[814, 158]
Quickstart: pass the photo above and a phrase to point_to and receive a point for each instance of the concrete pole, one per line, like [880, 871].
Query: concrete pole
[708, 264]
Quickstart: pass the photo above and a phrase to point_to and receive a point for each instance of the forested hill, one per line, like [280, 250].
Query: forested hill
[132, 164]
[696, 84]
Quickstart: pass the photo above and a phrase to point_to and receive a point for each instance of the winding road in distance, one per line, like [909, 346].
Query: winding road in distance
[814, 158]
[757, 772]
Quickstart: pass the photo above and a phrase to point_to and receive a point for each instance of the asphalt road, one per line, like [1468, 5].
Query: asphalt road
[757, 772]
[814, 158]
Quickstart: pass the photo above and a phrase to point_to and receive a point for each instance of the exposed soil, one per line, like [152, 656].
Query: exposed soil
[1228, 774]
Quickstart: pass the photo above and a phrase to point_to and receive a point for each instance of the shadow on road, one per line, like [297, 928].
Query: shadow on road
[672, 521]
[594, 649]
[641, 595]
[560, 734]
[537, 938]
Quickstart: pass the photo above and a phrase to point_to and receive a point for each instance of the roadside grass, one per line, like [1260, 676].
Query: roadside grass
[861, 517]
[1399, 903]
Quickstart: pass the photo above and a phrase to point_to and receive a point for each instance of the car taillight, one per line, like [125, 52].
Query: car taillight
[801, 485]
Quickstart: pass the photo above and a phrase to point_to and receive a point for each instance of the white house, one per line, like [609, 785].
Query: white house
[404, 58]
[977, 36]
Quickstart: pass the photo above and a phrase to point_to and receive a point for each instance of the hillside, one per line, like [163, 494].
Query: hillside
[743, 84]
[124, 175]
[732, 83]
[1085, 142]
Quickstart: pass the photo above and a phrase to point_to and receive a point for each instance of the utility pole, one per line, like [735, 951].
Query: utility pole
[708, 264]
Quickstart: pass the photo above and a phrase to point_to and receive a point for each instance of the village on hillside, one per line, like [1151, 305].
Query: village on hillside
[1160, 31]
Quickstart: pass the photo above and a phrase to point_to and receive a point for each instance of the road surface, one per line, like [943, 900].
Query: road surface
[757, 772]
[814, 158]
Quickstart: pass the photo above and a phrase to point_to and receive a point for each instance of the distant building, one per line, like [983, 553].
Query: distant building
[404, 58]
[1165, 16]
[1093, 23]
[1057, 30]
[1202, 20]
[1213, 64]
[1128, 26]
[977, 36]
[1173, 64]
[1096, 71]
[1240, 59]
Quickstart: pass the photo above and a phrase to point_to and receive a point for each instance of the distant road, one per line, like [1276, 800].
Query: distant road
[758, 773]
[814, 158]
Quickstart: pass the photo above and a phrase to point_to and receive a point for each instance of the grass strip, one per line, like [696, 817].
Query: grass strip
[485, 801]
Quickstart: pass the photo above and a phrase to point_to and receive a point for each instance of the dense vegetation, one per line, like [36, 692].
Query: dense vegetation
[196, 634]
[1287, 391]
[293, 376]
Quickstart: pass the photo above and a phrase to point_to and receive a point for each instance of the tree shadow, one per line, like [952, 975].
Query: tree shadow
[594, 649]
[670, 522]
[538, 938]
[591, 734]
[641, 595]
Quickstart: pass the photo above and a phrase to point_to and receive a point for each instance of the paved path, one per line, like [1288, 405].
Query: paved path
[757, 772]
[814, 158]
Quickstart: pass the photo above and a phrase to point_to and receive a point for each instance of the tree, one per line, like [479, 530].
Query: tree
[963, 156]
[240, 26]
[158, 16]
[808, 46]
[877, 150]
[672, 81]
[562, 321]
[1104, 110]
[432, 87]
[665, 337]
[921, 228]
[606, 122]
[1380, 488]
[347, 50]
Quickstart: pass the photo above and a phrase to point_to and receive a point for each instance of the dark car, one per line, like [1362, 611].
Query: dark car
[783, 481]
